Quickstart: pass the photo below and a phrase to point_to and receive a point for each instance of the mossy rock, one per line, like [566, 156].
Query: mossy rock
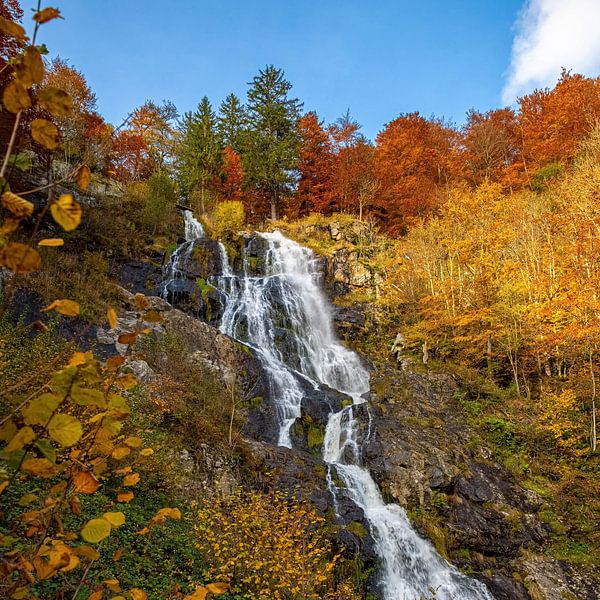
[358, 529]
[315, 436]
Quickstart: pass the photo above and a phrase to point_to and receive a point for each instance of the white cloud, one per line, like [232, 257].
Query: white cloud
[551, 34]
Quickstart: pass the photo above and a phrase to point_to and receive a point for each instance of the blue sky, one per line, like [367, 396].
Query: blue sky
[378, 58]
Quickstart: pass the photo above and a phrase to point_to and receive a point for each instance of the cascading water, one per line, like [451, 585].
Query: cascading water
[286, 318]
[172, 271]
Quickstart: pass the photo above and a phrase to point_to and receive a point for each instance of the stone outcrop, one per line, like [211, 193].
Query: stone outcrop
[420, 453]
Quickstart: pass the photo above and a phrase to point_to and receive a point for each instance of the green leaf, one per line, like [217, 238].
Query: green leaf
[21, 161]
[65, 429]
[62, 380]
[87, 396]
[39, 410]
[45, 447]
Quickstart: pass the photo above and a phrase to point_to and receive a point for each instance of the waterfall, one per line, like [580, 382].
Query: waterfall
[172, 270]
[284, 316]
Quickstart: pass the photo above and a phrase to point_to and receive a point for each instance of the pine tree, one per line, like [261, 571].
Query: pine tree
[231, 122]
[200, 150]
[272, 144]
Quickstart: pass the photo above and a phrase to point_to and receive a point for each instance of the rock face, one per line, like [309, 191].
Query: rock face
[474, 511]
[186, 280]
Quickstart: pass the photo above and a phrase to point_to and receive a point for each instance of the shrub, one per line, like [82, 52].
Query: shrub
[228, 219]
[267, 546]
[160, 203]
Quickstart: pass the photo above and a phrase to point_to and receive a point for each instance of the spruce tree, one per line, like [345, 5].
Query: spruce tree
[231, 122]
[272, 144]
[200, 150]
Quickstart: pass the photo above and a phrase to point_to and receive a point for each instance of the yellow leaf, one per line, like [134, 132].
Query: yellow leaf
[69, 308]
[127, 381]
[146, 451]
[46, 14]
[39, 410]
[120, 452]
[29, 69]
[96, 595]
[11, 28]
[57, 102]
[141, 301]
[84, 482]
[4, 485]
[133, 442]
[164, 513]
[218, 588]
[24, 436]
[18, 206]
[87, 552]
[19, 258]
[153, 316]
[52, 242]
[132, 479]
[66, 212]
[45, 134]
[111, 315]
[10, 225]
[41, 467]
[65, 429]
[116, 519]
[78, 358]
[83, 177]
[137, 594]
[125, 497]
[16, 97]
[143, 531]
[43, 569]
[96, 530]
[198, 594]
[112, 585]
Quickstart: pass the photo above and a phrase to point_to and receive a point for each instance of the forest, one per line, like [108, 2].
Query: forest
[481, 245]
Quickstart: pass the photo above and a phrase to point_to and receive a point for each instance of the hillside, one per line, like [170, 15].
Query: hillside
[251, 366]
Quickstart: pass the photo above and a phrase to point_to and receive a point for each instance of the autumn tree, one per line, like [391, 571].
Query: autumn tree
[271, 151]
[9, 45]
[412, 162]
[492, 148]
[83, 129]
[554, 122]
[315, 164]
[232, 174]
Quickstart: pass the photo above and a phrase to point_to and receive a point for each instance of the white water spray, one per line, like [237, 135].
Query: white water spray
[287, 320]
[172, 271]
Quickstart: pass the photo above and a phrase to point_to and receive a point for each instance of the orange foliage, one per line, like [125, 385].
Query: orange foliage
[315, 166]
[553, 122]
[232, 175]
[413, 158]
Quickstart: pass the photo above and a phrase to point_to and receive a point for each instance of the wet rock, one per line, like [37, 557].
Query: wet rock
[419, 453]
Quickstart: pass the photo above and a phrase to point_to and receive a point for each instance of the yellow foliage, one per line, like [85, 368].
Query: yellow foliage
[266, 545]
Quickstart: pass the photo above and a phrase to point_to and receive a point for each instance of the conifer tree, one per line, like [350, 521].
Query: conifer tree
[200, 150]
[272, 145]
[231, 122]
